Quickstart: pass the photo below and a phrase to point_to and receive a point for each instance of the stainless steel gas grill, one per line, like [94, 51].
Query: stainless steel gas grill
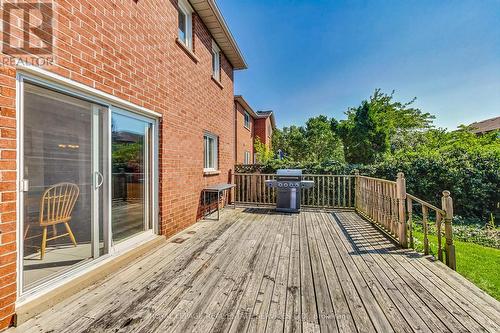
[288, 183]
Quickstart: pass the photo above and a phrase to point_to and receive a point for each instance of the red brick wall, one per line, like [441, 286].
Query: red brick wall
[244, 136]
[262, 126]
[128, 49]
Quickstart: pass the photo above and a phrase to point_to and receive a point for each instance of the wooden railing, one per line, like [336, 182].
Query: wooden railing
[387, 204]
[378, 201]
[330, 191]
[251, 188]
[440, 214]
[383, 202]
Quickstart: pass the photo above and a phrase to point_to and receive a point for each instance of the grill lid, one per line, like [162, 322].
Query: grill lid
[289, 172]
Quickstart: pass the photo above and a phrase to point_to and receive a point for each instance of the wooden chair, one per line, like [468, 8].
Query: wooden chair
[56, 207]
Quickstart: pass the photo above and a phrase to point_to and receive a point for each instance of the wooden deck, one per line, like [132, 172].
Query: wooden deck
[256, 270]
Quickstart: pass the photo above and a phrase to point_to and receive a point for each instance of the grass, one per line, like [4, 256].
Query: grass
[479, 264]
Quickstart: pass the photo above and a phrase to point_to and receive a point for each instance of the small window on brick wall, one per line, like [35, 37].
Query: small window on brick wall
[248, 158]
[185, 23]
[211, 151]
[247, 120]
[215, 61]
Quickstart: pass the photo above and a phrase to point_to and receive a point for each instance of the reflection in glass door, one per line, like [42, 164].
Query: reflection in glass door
[63, 163]
[131, 144]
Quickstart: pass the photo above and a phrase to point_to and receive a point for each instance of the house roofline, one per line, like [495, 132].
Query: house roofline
[241, 100]
[486, 125]
[255, 115]
[266, 114]
[212, 17]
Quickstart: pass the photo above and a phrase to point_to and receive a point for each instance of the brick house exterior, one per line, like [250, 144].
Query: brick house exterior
[264, 126]
[130, 50]
[245, 135]
[259, 125]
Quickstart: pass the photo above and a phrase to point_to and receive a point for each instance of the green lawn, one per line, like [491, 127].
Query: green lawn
[479, 264]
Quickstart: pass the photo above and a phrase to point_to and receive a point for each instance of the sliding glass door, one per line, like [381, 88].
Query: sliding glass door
[86, 179]
[131, 160]
[63, 173]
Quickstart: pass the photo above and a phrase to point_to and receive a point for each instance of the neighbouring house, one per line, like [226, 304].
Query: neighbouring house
[250, 125]
[264, 127]
[108, 134]
[486, 126]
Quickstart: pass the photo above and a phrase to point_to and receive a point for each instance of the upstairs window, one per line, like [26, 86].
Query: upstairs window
[211, 148]
[215, 61]
[185, 24]
[247, 120]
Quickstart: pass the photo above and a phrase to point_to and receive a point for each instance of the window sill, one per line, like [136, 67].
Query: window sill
[211, 172]
[187, 50]
[248, 128]
[217, 82]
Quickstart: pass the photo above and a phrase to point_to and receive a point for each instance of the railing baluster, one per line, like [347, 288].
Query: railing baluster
[425, 224]
[350, 199]
[317, 202]
[338, 191]
[343, 191]
[409, 204]
[334, 192]
[323, 188]
[438, 233]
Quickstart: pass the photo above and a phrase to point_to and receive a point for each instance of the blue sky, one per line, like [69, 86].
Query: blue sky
[320, 57]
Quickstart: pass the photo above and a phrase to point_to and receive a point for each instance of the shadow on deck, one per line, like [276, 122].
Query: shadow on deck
[257, 270]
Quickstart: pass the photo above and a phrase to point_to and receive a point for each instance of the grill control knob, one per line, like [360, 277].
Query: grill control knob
[280, 185]
[286, 184]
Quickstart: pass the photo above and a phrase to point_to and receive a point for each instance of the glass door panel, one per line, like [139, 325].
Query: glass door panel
[130, 137]
[63, 163]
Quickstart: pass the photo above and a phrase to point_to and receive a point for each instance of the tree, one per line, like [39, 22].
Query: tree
[323, 145]
[291, 141]
[264, 154]
[315, 142]
[373, 128]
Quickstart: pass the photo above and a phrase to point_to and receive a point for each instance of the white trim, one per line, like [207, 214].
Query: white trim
[216, 68]
[215, 139]
[184, 4]
[61, 80]
[50, 80]
[187, 10]
[247, 159]
[84, 268]
[245, 116]
[19, 195]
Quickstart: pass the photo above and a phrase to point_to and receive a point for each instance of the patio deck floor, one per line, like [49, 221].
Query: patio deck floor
[256, 270]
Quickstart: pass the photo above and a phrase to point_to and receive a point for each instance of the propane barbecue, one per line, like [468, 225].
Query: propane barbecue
[289, 183]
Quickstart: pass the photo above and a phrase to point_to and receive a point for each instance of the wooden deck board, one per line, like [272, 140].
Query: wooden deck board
[256, 270]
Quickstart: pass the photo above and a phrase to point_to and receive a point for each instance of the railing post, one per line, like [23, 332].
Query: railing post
[447, 204]
[232, 192]
[356, 188]
[401, 193]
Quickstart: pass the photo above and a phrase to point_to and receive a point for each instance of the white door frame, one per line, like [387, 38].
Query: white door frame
[55, 82]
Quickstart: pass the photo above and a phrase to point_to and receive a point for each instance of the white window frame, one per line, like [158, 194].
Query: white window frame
[247, 120]
[51, 81]
[187, 10]
[206, 158]
[215, 61]
[247, 158]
